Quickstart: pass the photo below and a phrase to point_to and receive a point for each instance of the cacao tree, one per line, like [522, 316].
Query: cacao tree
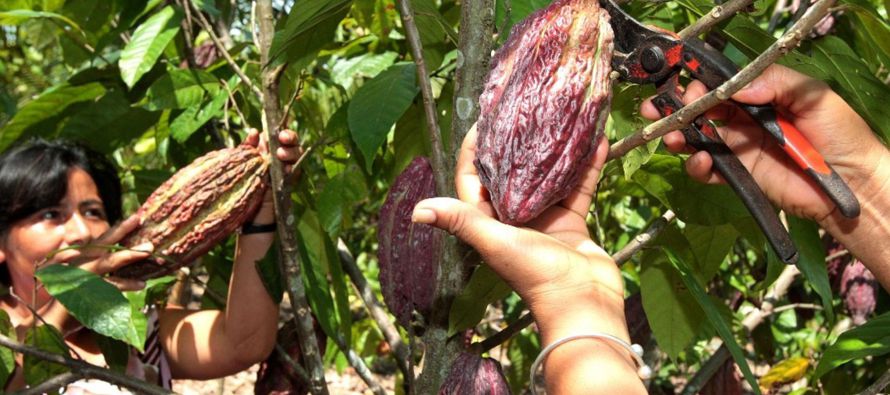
[371, 85]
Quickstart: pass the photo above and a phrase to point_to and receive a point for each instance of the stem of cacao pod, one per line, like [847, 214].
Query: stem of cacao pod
[281, 191]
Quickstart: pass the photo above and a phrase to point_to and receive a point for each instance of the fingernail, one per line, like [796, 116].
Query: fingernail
[145, 247]
[423, 215]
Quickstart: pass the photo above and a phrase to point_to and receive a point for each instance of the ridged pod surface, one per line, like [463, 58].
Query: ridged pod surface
[406, 250]
[201, 205]
[544, 107]
[473, 375]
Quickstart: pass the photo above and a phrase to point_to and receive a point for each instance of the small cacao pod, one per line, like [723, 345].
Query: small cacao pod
[406, 251]
[544, 106]
[859, 288]
[201, 205]
[276, 376]
[473, 375]
[637, 323]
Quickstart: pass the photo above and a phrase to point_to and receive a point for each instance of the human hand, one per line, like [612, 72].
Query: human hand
[835, 130]
[570, 284]
[288, 152]
[100, 257]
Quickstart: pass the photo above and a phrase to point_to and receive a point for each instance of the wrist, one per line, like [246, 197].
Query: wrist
[571, 313]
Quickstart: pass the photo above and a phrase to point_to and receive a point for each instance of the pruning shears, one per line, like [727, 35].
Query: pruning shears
[646, 55]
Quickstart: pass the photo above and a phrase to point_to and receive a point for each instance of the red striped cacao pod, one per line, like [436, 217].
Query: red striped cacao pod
[473, 375]
[197, 208]
[860, 291]
[544, 107]
[406, 250]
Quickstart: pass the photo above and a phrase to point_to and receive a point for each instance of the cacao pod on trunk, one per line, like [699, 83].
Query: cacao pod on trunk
[473, 375]
[406, 250]
[201, 205]
[859, 289]
[544, 106]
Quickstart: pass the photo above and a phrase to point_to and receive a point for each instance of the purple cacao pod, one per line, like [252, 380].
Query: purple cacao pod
[859, 289]
[197, 208]
[473, 375]
[544, 107]
[406, 251]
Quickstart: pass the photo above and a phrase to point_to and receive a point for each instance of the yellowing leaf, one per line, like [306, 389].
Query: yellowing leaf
[787, 371]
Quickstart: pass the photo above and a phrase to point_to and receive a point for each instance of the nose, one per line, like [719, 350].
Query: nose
[77, 231]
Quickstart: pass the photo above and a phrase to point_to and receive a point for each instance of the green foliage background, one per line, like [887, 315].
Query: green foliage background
[119, 75]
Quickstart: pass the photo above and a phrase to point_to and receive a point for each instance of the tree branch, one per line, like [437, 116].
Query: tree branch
[504, 335]
[225, 53]
[879, 385]
[282, 187]
[377, 312]
[359, 365]
[688, 113]
[715, 16]
[84, 369]
[51, 385]
[298, 369]
[440, 164]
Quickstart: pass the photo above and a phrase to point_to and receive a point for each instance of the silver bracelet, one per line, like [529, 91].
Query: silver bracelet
[635, 350]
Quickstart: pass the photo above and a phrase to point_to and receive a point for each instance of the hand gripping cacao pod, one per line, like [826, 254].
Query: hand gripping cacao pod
[201, 205]
[544, 107]
[860, 291]
[406, 250]
[473, 375]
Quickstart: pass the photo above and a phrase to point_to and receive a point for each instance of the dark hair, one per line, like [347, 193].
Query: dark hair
[34, 176]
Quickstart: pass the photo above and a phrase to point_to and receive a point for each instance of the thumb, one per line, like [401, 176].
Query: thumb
[783, 87]
[465, 221]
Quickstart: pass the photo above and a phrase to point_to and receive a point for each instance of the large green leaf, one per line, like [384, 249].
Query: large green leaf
[194, 117]
[109, 123]
[147, 44]
[711, 245]
[309, 27]
[378, 104]
[870, 339]
[17, 17]
[673, 315]
[94, 302]
[714, 316]
[46, 338]
[47, 105]
[345, 72]
[7, 358]
[811, 263]
[664, 177]
[181, 89]
[484, 288]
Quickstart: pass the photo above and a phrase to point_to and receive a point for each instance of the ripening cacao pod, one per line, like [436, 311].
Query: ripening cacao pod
[544, 107]
[859, 288]
[473, 375]
[406, 250]
[276, 376]
[201, 205]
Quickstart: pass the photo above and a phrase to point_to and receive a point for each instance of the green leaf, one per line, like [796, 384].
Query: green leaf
[378, 104]
[484, 288]
[663, 177]
[147, 44]
[94, 302]
[870, 339]
[181, 89]
[49, 104]
[811, 263]
[188, 122]
[17, 17]
[521, 350]
[116, 353]
[346, 71]
[7, 358]
[625, 119]
[109, 123]
[310, 26]
[46, 338]
[270, 273]
[711, 245]
[714, 317]
[673, 315]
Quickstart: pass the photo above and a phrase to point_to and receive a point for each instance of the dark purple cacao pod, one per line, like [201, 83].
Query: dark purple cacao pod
[859, 289]
[473, 375]
[406, 251]
[637, 323]
[201, 205]
[726, 381]
[276, 376]
[544, 107]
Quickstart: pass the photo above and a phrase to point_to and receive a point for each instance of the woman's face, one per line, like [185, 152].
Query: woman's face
[76, 220]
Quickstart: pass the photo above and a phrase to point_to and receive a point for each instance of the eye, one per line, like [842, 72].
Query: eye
[95, 212]
[50, 214]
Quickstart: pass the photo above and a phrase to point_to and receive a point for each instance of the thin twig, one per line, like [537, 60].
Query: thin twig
[688, 113]
[299, 369]
[188, 33]
[51, 385]
[297, 93]
[375, 308]
[879, 385]
[84, 369]
[638, 243]
[235, 104]
[225, 53]
[439, 163]
[358, 364]
[811, 306]
[839, 254]
[713, 17]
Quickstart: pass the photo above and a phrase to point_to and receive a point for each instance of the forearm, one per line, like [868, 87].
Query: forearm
[251, 316]
[866, 235]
